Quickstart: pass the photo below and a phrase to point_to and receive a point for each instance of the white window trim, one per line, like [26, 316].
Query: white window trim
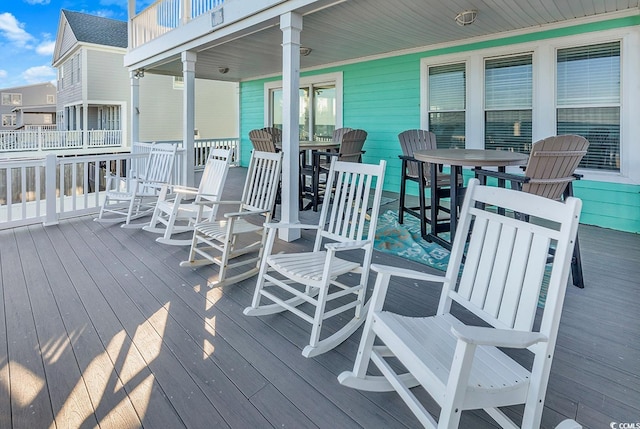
[544, 92]
[304, 81]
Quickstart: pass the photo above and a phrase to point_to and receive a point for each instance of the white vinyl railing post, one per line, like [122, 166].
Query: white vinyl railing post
[51, 216]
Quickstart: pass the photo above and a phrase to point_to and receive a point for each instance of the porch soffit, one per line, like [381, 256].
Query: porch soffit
[345, 31]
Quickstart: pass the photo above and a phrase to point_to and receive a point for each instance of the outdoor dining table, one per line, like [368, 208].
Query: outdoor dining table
[456, 159]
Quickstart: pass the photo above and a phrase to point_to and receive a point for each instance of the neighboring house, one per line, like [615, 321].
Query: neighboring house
[507, 74]
[94, 89]
[25, 106]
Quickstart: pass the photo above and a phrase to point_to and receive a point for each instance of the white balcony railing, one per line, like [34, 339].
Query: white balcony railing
[43, 139]
[165, 15]
[49, 188]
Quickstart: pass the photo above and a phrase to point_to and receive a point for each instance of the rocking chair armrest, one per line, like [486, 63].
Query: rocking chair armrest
[406, 273]
[245, 213]
[186, 190]
[508, 338]
[150, 182]
[282, 225]
[210, 203]
[348, 245]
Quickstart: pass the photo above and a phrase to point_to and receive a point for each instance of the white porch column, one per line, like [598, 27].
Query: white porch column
[189, 117]
[134, 115]
[291, 25]
[83, 121]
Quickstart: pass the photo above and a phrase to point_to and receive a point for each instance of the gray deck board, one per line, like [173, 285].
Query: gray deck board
[100, 327]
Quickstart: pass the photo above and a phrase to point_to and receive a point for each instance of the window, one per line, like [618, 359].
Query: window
[320, 107]
[51, 99]
[508, 96]
[109, 118]
[11, 99]
[588, 101]
[8, 120]
[78, 68]
[178, 82]
[447, 104]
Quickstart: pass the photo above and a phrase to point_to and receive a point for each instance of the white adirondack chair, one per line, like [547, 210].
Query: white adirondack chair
[461, 366]
[320, 277]
[171, 206]
[136, 195]
[219, 242]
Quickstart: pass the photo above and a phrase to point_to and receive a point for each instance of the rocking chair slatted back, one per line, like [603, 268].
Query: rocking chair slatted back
[505, 260]
[213, 177]
[350, 203]
[258, 193]
[552, 164]
[159, 165]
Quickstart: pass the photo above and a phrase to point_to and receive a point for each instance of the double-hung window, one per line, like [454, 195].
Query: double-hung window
[11, 99]
[508, 103]
[9, 120]
[588, 101]
[447, 104]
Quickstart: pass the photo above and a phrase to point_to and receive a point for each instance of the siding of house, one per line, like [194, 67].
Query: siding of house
[161, 109]
[383, 97]
[69, 91]
[108, 77]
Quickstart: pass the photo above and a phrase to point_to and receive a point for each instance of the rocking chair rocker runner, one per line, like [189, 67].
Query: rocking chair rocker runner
[462, 366]
[219, 242]
[320, 277]
[135, 196]
[172, 207]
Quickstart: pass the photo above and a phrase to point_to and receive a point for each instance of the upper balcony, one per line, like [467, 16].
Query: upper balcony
[243, 37]
[166, 15]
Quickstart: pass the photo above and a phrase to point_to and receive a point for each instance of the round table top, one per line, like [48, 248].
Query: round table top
[314, 145]
[472, 157]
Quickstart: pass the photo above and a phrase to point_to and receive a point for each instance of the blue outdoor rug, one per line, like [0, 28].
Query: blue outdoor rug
[405, 241]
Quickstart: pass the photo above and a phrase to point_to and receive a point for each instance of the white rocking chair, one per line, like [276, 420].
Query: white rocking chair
[320, 277]
[135, 196]
[219, 242]
[461, 366]
[171, 206]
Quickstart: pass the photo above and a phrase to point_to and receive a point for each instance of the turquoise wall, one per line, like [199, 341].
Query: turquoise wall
[383, 98]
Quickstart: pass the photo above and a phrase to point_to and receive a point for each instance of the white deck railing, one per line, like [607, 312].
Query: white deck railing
[165, 15]
[202, 147]
[49, 188]
[43, 139]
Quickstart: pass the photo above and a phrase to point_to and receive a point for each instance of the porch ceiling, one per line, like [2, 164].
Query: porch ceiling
[353, 29]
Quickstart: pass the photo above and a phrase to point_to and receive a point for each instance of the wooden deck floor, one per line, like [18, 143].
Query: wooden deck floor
[99, 326]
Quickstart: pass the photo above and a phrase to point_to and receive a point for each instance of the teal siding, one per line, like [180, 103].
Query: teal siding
[383, 97]
[251, 115]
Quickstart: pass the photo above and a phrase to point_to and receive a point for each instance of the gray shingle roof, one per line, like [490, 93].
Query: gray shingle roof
[96, 29]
